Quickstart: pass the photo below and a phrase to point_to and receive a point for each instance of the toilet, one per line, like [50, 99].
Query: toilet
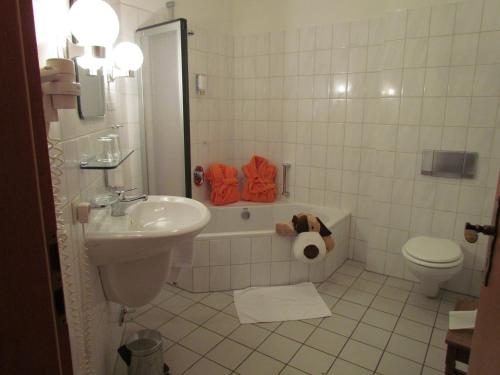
[432, 261]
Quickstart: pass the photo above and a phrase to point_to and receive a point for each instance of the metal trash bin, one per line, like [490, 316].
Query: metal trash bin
[143, 353]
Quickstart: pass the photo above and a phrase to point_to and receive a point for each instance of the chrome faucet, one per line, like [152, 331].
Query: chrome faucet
[120, 205]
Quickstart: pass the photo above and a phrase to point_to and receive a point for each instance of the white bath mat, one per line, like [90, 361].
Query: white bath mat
[279, 303]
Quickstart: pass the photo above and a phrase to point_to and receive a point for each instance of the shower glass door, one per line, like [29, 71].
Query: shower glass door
[165, 109]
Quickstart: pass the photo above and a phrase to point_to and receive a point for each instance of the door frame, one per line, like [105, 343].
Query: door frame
[34, 330]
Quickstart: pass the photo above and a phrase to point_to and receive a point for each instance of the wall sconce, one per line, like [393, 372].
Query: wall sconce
[95, 26]
[127, 58]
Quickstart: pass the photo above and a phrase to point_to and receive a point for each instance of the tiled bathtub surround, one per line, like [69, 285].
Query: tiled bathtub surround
[352, 105]
[237, 262]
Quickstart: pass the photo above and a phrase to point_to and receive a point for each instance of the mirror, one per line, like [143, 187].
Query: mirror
[91, 102]
[163, 80]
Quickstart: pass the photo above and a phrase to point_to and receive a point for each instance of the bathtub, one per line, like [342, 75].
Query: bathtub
[240, 248]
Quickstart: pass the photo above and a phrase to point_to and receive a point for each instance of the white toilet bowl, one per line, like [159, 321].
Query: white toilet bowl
[432, 261]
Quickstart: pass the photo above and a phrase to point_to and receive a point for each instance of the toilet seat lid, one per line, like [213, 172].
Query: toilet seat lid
[433, 250]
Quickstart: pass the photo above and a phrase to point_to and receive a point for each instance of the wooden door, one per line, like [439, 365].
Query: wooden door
[485, 352]
[33, 331]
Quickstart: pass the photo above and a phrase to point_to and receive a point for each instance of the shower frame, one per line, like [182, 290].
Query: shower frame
[184, 103]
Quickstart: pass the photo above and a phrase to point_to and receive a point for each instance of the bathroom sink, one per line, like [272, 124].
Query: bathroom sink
[149, 228]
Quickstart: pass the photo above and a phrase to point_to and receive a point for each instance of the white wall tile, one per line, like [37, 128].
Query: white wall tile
[220, 278]
[240, 276]
[220, 252]
[260, 274]
[442, 19]
[261, 249]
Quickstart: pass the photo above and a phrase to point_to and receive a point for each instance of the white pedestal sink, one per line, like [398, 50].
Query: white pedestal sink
[133, 251]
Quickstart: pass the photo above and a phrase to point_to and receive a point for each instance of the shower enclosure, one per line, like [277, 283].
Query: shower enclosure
[164, 89]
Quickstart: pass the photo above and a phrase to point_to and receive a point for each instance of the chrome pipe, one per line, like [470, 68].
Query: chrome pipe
[285, 191]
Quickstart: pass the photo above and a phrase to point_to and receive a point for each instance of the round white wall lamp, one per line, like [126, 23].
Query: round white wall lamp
[93, 23]
[127, 56]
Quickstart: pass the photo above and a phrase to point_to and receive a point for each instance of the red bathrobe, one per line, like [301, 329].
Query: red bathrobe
[224, 182]
[259, 185]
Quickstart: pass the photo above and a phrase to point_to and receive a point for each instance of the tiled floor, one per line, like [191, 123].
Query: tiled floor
[379, 325]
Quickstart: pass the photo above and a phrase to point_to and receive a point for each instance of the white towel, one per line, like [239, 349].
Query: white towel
[280, 303]
[462, 319]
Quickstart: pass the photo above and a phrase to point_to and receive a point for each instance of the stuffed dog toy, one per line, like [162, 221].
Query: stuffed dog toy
[306, 223]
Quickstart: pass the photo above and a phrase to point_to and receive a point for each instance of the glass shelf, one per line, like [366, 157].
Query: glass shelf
[93, 163]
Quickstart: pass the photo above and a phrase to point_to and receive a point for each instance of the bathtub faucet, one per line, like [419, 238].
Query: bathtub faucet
[119, 206]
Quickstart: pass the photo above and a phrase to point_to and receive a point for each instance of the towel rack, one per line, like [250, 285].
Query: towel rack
[285, 191]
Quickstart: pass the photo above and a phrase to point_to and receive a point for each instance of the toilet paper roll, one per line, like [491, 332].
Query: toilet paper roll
[309, 247]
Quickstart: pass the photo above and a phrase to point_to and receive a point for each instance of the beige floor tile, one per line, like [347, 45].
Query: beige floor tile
[341, 367]
[420, 315]
[259, 363]
[176, 328]
[435, 358]
[249, 335]
[414, 330]
[271, 326]
[380, 319]
[176, 304]
[231, 310]
[372, 276]
[371, 335]
[217, 301]
[394, 293]
[162, 296]
[229, 354]
[383, 304]
[361, 354]
[326, 341]
[407, 348]
[295, 330]
[341, 279]
[315, 322]
[222, 324]
[201, 340]
[391, 364]
[194, 296]
[430, 371]
[206, 367]
[279, 347]
[399, 283]
[198, 313]
[312, 361]
[335, 290]
[359, 297]
[179, 359]
[438, 337]
[349, 309]
[387, 305]
[367, 286]
[330, 301]
[339, 324]
[350, 270]
[424, 302]
[153, 318]
[288, 370]
[442, 321]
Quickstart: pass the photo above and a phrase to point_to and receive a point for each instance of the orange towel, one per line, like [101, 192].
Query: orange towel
[224, 182]
[259, 186]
